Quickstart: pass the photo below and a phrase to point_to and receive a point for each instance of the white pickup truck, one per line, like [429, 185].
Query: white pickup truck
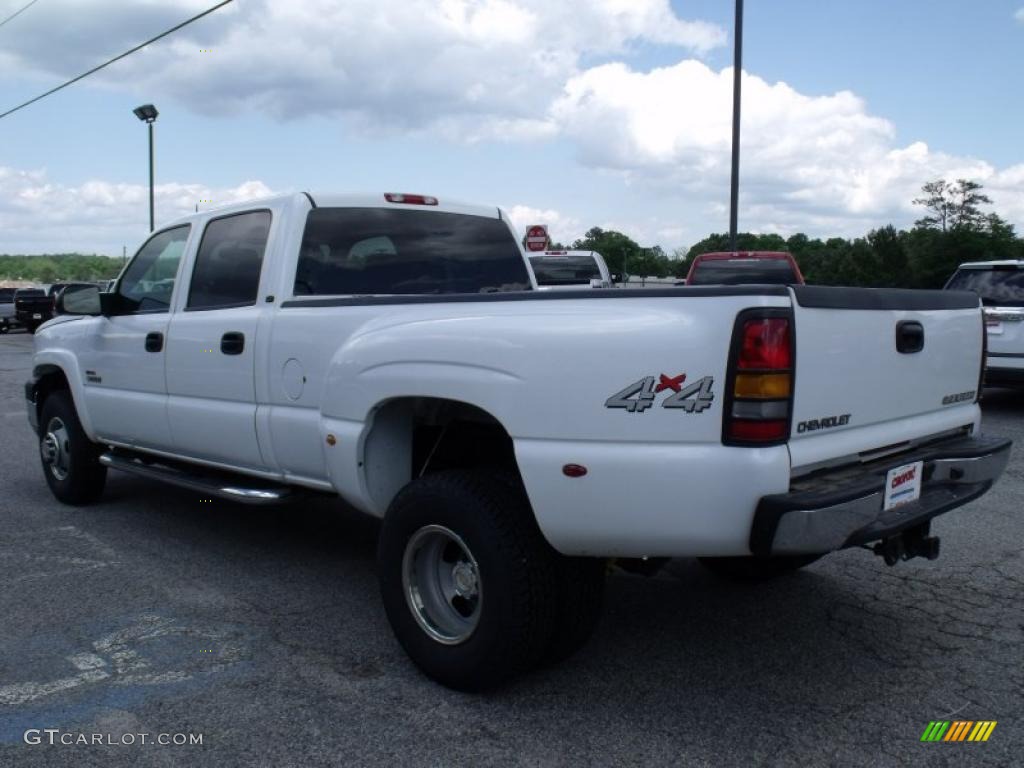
[570, 270]
[395, 352]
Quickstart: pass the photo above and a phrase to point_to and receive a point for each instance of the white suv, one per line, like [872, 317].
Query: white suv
[1000, 284]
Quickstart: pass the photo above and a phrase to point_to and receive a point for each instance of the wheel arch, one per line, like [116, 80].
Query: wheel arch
[51, 375]
[409, 436]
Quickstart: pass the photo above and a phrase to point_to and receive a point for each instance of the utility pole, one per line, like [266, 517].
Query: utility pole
[737, 73]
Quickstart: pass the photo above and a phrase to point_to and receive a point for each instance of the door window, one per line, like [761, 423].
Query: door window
[227, 270]
[148, 282]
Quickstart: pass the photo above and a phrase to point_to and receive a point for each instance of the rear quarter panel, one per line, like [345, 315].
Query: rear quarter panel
[659, 481]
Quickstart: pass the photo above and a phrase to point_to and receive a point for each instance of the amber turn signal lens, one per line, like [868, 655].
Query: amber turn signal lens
[766, 386]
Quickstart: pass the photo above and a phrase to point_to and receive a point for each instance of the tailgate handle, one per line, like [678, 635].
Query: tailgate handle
[909, 337]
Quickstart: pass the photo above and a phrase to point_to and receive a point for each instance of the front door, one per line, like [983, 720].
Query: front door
[125, 388]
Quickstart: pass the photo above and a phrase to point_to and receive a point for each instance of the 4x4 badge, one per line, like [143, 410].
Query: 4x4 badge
[640, 395]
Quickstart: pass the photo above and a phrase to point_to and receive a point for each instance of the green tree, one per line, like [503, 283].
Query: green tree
[619, 251]
[952, 206]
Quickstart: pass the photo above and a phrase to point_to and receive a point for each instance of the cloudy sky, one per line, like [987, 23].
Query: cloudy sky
[575, 113]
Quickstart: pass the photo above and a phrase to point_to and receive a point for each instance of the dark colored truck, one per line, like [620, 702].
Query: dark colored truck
[745, 267]
[34, 306]
[6, 309]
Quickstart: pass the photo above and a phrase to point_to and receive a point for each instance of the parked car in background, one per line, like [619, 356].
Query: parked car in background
[744, 267]
[570, 270]
[1000, 284]
[34, 306]
[7, 320]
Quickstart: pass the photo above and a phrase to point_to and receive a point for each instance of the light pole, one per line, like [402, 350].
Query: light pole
[737, 72]
[147, 113]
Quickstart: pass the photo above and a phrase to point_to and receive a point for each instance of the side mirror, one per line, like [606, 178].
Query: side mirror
[84, 301]
[111, 304]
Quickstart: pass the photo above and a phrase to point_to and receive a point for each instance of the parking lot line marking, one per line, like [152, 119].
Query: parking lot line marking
[21, 693]
[84, 661]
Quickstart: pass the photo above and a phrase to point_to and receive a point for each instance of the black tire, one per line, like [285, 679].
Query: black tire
[517, 577]
[70, 460]
[752, 569]
[579, 597]
[581, 587]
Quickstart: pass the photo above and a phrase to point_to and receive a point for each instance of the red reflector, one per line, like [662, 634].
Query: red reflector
[400, 197]
[742, 429]
[574, 470]
[766, 344]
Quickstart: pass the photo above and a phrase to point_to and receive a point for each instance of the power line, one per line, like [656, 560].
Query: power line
[18, 13]
[116, 58]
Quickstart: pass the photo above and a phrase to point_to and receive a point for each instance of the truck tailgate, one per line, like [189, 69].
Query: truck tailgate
[881, 367]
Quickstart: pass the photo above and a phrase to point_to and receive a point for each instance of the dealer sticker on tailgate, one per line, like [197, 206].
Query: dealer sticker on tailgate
[903, 484]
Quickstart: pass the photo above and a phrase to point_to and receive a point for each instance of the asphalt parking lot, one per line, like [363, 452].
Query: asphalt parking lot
[261, 629]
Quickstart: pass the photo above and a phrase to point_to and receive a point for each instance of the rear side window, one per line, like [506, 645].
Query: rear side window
[6, 295]
[565, 270]
[228, 264]
[743, 271]
[366, 251]
[1003, 286]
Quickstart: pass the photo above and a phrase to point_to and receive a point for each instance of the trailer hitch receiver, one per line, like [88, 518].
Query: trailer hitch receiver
[913, 542]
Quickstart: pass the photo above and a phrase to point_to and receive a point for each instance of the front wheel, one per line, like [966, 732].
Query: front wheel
[70, 459]
[469, 584]
[753, 569]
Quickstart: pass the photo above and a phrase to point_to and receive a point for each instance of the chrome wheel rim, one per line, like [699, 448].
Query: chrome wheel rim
[442, 585]
[55, 447]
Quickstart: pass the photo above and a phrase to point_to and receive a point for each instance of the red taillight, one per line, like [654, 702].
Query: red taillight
[758, 431]
[759, 396]
[400, 197]
[766, 345]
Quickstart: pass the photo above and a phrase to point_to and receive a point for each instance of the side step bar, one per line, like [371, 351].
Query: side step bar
[221, 485]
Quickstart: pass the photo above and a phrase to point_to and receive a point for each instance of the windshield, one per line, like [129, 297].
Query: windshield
[565, 270]
[1002, 286]
[739, 271]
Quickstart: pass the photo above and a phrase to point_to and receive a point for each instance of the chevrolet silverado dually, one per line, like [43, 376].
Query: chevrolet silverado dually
[395, 352]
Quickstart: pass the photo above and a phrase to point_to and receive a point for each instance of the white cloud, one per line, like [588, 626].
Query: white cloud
[1019, 15]
[561, 228]
[471, 68]
[804, 159]
[38, 215]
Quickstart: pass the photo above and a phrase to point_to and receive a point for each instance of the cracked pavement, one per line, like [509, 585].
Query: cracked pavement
[262, 629]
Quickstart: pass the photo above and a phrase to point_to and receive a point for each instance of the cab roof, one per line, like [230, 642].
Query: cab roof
[344, 200]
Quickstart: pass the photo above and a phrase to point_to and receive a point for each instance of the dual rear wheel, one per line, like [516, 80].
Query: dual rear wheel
[473, 591]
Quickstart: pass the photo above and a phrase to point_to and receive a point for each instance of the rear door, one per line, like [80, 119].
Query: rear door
[212, 346]
[877, 367]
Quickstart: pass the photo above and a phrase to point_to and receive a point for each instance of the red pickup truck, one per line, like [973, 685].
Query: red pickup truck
[740, 267]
